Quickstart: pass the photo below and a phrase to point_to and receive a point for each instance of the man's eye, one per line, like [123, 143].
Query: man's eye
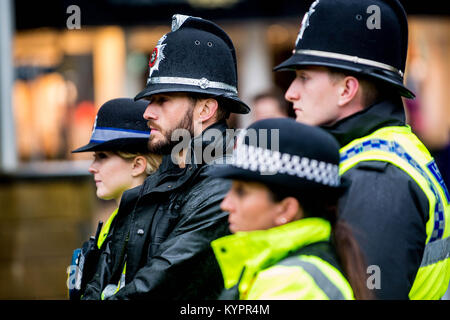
[158, 100]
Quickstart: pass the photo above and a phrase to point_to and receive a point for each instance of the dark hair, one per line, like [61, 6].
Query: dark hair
[319, 204]
[222, 112]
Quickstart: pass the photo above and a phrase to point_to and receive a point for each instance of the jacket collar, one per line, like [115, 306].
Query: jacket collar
[256, 250]
[170, 176]
[383, 114]
[212, 137]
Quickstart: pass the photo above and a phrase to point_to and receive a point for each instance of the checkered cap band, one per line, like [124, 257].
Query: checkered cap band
[268, 162]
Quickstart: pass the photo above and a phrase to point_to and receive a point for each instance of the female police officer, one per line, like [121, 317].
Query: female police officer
[121, 162]
[287, 243]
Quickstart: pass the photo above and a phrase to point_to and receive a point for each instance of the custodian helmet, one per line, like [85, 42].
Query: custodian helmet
[365, 37]
[196, 56]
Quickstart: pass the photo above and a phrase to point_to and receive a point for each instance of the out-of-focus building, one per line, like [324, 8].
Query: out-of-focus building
[69, 57]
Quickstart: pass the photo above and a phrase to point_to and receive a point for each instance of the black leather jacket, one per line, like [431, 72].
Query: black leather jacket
[386, 208]
[163, 231]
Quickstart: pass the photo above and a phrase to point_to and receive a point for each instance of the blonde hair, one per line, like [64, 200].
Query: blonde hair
[153, 160]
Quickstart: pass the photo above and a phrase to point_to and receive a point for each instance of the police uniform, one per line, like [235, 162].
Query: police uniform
[297, 260]
[397, 203]
[119, 126]
[163, 229]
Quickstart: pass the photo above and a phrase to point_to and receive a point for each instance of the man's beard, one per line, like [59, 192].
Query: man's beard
[165, 146]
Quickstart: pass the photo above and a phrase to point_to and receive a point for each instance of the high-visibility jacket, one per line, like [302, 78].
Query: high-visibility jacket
[105, 229]
[85, 260]
[292, 261]
[400, 147]
[110, 289]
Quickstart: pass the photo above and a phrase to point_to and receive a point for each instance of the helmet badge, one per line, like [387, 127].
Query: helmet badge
[177, 21]
[157, 56]
[95, 125]
[153, 57]
[305, 21]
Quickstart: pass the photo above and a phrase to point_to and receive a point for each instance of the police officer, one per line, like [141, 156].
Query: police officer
[163, 229]
[349, 60]
[282, 204]
[121, 161]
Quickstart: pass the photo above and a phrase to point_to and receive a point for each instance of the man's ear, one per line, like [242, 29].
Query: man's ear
[348, 89]
[138, 166]
[207, 109]
[289, 209]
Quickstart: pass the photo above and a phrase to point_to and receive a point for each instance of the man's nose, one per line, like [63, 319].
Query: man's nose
[149, 113]
[292, 94]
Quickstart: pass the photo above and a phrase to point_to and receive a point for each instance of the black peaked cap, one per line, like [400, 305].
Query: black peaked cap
[119, 126]
[286, 154]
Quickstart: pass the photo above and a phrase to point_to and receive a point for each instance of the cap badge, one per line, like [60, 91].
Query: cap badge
[95, 124]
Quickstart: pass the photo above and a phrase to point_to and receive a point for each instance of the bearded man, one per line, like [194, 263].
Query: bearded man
[162, 248]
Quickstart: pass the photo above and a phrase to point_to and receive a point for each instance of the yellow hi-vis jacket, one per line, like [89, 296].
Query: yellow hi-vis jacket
[110, 289]
[262, 266]
[105, 229]
[400, 147]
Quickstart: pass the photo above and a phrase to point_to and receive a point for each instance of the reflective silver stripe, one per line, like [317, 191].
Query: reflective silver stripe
[436, 251]
[106, 134]
[202, 83]
[322, 281]
[353, 59]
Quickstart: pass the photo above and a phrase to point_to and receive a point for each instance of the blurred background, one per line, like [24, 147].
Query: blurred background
[56, 71]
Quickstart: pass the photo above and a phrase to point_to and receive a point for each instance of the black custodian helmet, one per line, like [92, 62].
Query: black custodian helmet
[368, 37]
[196, 56]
